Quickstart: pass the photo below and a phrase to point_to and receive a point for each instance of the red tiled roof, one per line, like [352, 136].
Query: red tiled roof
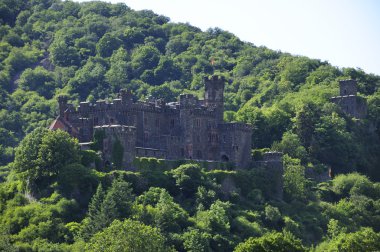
[62, 124]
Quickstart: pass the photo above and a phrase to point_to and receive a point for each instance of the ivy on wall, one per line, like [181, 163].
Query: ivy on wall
[117, 154]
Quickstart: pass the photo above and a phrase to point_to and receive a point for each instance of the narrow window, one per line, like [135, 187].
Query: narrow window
[197, 122]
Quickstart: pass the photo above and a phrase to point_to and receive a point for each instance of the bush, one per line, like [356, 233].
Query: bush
[280, 242]
[128, 235]
[346, 185]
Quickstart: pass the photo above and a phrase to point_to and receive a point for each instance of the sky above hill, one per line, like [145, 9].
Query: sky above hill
[346, 33]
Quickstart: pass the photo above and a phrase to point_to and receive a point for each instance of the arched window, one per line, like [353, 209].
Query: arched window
[225, 158]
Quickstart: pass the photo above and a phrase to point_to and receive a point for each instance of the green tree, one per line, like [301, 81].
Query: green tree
[296, 69]
[216, 219]
[271, 242]
[106, 207]
[363, 240]
[5, 241]
[144, 58]
[38, 79]
[256, 118]
[188, 177]
[21, 58]
[78, 182]
[294, 179]
[108, 44]
[93, 222]
[272, 215]
[90, 78]
[333, 144]
[121, 193]
[164, 91]
[169, 216]
[346, 185]
[42, 154]
[166, 70]
[117, 75]
[128, 236]
[291, 145]
[63, 55]
[304, 123]
[133, 36]
[196, 240]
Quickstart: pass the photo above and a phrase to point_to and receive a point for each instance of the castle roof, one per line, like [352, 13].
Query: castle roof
[62, 124]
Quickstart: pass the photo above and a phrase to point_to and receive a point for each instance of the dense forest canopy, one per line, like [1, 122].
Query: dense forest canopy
[52, 199]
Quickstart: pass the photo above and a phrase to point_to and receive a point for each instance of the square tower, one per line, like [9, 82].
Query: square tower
[214, 95]
[349, 101]
[348, 87]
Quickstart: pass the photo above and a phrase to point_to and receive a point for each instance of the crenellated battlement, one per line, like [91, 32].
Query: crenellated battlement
[273, 156]
[116, 128]
[236, 126]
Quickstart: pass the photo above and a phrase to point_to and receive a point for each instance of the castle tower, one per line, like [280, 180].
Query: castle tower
[62, 103]
[118, 145]
[236, 140]
[214, 90]
[274, 165]
[348, 87]
[187, 104]
[349, 102]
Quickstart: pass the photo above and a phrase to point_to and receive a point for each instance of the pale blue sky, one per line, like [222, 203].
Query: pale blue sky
[345, 33]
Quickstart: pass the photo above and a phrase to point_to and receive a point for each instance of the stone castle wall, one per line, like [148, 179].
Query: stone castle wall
[188, 129]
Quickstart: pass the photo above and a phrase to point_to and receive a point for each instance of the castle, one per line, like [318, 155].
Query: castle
[349, 101]
[188, 129]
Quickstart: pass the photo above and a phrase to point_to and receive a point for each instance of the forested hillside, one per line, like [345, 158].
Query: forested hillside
[52, 199]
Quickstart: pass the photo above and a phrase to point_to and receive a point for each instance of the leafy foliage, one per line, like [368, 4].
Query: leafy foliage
[127, 236]
[271, 242]
[52, 198]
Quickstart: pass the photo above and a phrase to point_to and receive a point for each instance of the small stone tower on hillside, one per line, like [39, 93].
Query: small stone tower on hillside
[349, 101]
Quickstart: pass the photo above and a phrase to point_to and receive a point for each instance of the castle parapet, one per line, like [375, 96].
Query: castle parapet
[213, 78]
[84, 107]
[101, 105]
[273, 156]
[348, 87]
[116, 128]
[126, 96]
[236, 126]
[187, 100]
